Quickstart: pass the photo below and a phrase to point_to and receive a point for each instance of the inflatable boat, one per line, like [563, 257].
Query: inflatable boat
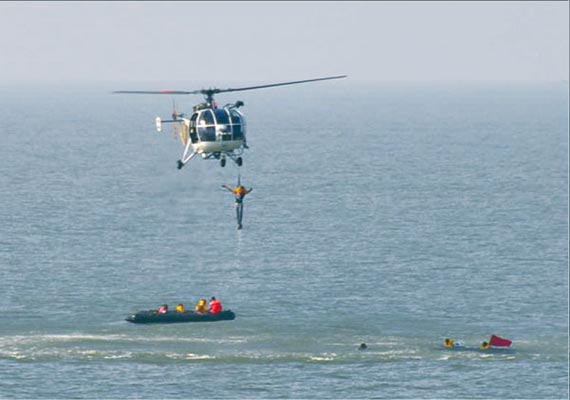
[152, 317]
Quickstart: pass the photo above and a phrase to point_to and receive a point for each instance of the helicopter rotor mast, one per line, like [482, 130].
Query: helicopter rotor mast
[209, 93]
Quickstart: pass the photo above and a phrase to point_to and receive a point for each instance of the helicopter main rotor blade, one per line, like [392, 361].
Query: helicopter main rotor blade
[212, 91]
[279, 84]
[158, 92]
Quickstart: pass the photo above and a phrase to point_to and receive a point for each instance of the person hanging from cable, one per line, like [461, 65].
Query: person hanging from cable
[239, 193]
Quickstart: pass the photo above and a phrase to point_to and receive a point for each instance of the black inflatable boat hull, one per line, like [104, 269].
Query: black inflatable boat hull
[152, 317]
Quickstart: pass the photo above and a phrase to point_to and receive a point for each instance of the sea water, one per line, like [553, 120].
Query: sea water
[394, 215]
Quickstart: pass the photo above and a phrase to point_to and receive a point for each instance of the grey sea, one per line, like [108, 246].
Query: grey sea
[395, 215]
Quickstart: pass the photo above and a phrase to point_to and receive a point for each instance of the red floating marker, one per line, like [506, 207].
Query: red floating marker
[497, 341]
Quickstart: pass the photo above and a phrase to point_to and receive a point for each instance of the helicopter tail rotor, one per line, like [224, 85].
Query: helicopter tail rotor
[177, 119]
[174, 112]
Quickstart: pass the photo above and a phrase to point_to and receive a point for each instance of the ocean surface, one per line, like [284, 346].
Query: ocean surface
[394, 215]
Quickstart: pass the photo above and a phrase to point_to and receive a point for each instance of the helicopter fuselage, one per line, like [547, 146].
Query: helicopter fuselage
[217, 129]
[213, 132]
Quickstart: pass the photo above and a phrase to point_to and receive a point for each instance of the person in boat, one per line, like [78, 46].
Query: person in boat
[163, 309]
[215, 306]
[449, 343]
[180, 308]
[201, 307]
[239, 193]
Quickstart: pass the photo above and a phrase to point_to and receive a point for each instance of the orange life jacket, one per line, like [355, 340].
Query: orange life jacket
[240, 191]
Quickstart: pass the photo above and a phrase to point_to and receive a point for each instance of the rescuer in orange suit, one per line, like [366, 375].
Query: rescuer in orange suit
[239, 193]
[215, 306]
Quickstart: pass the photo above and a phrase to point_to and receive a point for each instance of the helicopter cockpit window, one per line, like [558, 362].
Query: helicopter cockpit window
[236, 125]
[221, 116]
[206, 118]
[236, 119]
[207, 133]
[193, 135]
[206, 128]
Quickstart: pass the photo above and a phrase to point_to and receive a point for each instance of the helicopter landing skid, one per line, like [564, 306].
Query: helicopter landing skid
[235, 157]
[185, 159]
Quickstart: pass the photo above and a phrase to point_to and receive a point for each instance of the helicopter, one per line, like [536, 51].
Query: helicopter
[211, 131]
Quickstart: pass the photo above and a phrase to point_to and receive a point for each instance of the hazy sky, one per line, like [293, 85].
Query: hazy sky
[276, 41]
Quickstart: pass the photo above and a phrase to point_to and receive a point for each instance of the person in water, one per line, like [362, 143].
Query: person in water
[239, 193]
[215, 306]
[180, 308]
[496, 341]
[362, 346]
[449, 343]
[201, 307]
[163, 309]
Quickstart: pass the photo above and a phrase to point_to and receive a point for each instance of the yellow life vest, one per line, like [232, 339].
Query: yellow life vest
[201, 307]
